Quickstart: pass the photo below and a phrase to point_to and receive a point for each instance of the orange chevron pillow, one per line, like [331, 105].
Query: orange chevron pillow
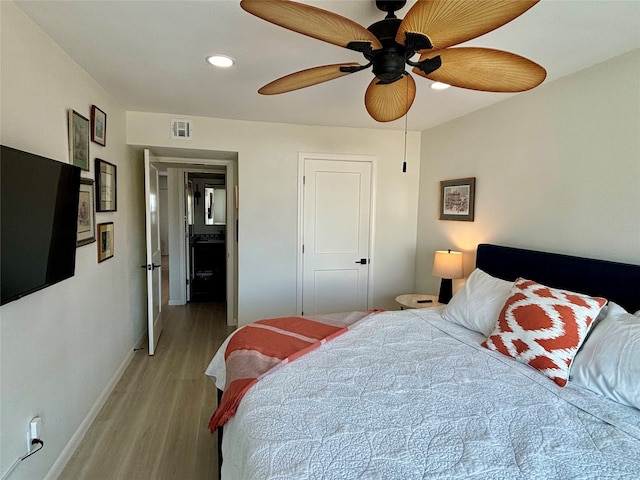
[544, 327]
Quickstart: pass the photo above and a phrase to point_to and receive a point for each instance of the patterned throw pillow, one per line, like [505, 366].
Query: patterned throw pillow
[544, 327]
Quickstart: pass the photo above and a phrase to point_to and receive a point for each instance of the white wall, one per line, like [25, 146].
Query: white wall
[268, 187]
[61, 347]
[557, 168]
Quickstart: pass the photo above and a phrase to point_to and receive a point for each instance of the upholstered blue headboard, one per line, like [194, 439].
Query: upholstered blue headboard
[617, 282]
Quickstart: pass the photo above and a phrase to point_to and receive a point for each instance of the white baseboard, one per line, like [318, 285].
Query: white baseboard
[81, 431]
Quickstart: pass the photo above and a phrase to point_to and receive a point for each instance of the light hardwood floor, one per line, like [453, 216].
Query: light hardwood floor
[154, 424]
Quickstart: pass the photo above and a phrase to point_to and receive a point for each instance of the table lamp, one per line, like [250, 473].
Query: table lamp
[447, 265]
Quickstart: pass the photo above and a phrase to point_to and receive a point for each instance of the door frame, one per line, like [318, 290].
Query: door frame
[302, 158]
[183, 165]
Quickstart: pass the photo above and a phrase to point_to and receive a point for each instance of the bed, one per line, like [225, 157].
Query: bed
[422, 393]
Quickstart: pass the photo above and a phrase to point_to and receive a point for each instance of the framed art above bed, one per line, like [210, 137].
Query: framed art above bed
[457, 199]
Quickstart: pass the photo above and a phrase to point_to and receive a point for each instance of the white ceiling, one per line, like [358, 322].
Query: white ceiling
[150, 56]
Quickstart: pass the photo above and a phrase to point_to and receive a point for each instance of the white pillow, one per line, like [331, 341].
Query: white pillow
[477, 304]
[609, 361]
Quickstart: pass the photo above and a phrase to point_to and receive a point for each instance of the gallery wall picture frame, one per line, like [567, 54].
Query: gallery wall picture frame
[98, 126]
[457, 199]
[105, 241]
[78, 140]
[106, 186]
[86, 213]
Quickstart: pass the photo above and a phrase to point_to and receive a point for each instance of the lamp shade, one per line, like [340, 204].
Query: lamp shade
[447, 264]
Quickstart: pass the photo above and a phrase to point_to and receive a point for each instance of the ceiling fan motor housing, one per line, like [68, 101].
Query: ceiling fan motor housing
[388, 62]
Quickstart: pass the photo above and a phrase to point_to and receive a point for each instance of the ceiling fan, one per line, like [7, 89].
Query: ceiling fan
[429, 29]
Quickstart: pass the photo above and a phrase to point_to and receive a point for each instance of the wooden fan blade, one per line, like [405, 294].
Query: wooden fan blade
[312, 21]
[388, 102]
[450, 22]
[305, 78]
[485, 69]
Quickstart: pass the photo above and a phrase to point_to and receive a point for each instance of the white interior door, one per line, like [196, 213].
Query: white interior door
[154, 256]
[336, 217]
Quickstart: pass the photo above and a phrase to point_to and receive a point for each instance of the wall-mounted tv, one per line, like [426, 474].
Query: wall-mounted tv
[38, 222]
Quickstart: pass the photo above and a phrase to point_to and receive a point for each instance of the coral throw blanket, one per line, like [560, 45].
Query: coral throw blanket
[258, 348]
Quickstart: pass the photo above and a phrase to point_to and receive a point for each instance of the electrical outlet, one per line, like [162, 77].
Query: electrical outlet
[34, 432]
[34, 427]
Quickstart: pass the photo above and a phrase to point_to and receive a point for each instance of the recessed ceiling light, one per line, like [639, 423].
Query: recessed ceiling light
[440, 86]
[221, 61]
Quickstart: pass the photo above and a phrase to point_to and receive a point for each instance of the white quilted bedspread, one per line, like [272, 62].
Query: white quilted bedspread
[398, 397]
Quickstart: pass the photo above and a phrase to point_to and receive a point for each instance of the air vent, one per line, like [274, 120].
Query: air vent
[181, 129]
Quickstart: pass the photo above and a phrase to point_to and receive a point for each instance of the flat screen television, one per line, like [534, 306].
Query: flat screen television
[38, 222]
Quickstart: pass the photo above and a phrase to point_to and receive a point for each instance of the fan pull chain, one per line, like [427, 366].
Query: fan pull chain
[404, 163]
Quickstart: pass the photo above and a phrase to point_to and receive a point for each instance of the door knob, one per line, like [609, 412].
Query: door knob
[152, 266]
[362, 261]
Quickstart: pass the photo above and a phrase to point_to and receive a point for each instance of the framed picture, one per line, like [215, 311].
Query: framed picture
[86, 213]
[457, 199]
[105, 241]
[106, 198]
[78, 140]
[98, 126]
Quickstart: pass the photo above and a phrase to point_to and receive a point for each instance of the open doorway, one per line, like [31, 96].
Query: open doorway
[206, 213]
[198, 209]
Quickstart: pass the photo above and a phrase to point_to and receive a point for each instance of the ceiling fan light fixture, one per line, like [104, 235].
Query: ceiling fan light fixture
[440, 86]
[221, 61]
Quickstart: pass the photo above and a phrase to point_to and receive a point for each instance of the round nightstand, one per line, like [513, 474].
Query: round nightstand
[417, 300]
